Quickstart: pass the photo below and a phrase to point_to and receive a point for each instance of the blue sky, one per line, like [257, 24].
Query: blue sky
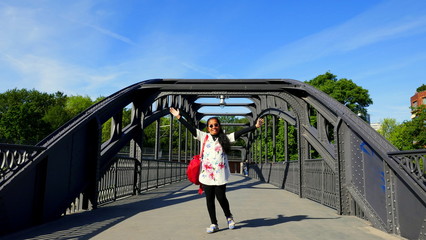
[96, 48]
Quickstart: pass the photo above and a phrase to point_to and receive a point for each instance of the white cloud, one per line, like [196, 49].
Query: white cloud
[46, 74]
[108, 33]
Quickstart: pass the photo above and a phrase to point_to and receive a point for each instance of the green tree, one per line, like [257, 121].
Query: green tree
[28, 116]
[22, 115]
[388, 126]
[345, 91]
[65, 109]
[56, 115]
[77, 104]
[421, 88]
[401, 138]
[408, 135]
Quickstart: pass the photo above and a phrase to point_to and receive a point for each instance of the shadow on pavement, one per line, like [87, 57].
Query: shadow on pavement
[262, 222]
[87, 224]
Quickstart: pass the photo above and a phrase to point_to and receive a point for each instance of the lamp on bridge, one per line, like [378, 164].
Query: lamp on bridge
[222, 102]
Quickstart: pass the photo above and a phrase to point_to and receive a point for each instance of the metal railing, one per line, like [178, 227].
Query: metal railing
[13, 157]
[281, 174]
[413, 163]
[158, 173]
[119, 181]
[319, 181]
[318, 184]
[127, 176]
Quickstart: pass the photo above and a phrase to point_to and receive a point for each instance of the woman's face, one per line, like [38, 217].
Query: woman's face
[213, 126]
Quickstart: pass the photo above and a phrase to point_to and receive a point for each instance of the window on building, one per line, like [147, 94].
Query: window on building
[415, 104]
[424, 101]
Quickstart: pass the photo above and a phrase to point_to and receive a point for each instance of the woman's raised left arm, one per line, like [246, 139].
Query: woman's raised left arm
[243, 131]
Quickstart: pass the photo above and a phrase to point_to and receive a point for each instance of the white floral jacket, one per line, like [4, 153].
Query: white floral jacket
[214, 166]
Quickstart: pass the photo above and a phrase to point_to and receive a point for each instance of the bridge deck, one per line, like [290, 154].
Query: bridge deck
[261, 211]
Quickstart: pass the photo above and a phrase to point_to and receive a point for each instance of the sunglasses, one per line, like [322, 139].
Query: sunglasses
[213, 125]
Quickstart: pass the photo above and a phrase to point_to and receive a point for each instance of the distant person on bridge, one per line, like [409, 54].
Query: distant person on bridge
[245, 168]
[215, 170]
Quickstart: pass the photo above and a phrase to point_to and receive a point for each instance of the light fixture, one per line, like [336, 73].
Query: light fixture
[222, 102]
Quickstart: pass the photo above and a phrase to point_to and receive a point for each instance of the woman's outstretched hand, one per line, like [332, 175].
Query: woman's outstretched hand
[259, 122]
[175, 112]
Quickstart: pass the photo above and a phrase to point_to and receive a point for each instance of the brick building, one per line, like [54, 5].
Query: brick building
[418, 99]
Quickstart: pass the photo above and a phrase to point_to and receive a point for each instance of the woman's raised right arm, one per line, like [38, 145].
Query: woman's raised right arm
[176, 113]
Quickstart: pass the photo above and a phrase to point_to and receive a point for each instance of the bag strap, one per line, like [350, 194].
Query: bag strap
[204, 143]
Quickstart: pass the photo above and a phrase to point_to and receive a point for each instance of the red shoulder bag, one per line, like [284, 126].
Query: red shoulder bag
[193, 170]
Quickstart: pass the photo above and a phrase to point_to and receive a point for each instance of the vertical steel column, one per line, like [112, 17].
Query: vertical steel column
[170, 147]
[266, 139]
[39, 193]
[255, 151]
[250, 150]
[274, 145]
[256, 146]
[115, 179]
[135, 177]
[339, 138]
[192, 147]
[170, 138]
[186, 145]
[157, 139]
[136, 148]
[179, 142]
[300, 151]
[147, 164]
[260, 145]
[286, 155]
[95, 139]
[157, 148]
[252, 146]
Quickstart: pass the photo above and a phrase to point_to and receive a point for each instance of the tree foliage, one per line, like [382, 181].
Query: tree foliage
[408, 135]
[421, 88]
[356, 98]
[28, 116]
[77, 104]
[24, 115]
[388, 126]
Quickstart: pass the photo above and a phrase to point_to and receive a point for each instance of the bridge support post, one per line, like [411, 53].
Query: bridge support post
[39, 192]
[90, 194]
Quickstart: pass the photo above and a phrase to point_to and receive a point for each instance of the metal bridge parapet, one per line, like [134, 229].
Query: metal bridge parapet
[355, 170]
[14, 157]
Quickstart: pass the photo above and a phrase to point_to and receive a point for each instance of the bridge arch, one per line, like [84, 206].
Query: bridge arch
[360, 174]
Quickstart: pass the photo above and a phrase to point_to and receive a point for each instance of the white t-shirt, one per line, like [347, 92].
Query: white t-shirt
[214, 166]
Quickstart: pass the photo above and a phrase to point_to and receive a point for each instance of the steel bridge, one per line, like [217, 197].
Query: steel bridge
[339, 161]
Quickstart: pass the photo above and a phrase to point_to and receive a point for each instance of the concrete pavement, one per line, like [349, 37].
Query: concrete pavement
[176, 212]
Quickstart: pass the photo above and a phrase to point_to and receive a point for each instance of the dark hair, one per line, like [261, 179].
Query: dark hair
[223, 139]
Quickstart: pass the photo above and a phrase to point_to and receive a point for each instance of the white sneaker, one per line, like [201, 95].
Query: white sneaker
[213, 228]
[231, 223]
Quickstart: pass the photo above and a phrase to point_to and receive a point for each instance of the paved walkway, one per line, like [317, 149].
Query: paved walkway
[176, 212]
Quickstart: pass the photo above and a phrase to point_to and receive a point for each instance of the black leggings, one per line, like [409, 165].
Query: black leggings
[220, 193]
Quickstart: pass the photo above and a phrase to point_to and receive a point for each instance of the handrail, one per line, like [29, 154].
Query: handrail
[413, 163]
[127, 176]
[13, 157]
